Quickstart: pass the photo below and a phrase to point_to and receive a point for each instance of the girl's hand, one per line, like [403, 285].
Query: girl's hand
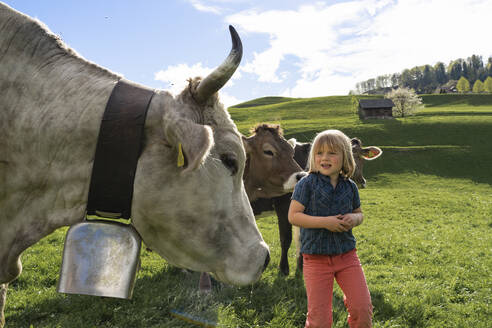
[336, 224]
[351, 219]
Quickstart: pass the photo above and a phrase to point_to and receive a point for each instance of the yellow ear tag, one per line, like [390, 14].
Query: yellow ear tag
[181, 159]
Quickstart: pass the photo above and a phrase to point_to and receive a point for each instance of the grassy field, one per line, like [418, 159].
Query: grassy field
[425, 244]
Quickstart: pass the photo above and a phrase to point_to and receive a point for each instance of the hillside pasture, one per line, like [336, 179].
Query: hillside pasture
[425, 244]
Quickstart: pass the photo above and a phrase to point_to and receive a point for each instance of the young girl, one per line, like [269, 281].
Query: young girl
[326, 205]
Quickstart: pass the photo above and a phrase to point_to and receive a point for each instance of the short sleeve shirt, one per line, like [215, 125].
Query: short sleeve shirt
[319, 198]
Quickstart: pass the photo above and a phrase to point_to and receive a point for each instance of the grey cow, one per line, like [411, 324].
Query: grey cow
[270, 171]
[51, 104]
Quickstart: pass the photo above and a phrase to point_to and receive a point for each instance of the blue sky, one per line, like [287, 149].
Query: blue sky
[291, 48]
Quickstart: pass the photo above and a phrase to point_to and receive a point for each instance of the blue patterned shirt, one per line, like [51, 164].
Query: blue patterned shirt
[319, 198]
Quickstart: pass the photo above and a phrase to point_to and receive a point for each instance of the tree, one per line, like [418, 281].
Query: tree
[475, 66]
[440, 72]
[465, 70]
[455, 70]
[395, 80]
[463, 85]
[406, 78]
[487, 84]
[478, 86]
[406, 101]
[475, 62]
[383, 81]
[417, 75]
[482, 74]
[428, 79]
[358, 88]
[488, 68]
[425, 78]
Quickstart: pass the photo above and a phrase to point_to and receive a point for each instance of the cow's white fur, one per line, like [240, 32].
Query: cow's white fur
[292, 181]
[51, 105]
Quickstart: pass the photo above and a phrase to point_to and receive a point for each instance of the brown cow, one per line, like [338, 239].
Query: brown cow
[270, 166]
[281, 204]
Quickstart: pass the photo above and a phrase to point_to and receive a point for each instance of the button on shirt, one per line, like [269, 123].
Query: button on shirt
[319, 198]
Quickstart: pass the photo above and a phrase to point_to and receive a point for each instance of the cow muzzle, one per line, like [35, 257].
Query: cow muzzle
[246, 270]
[292, 181]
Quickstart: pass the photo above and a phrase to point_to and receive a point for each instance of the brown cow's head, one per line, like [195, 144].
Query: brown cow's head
[360, 155]
[270, 168]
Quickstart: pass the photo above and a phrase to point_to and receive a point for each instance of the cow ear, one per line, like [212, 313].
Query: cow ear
[370, 153]
[195, 141]
[246, 144]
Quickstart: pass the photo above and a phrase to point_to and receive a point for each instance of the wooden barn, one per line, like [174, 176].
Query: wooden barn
[375, 108]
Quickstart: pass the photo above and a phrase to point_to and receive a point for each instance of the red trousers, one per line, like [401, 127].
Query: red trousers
[319, 273]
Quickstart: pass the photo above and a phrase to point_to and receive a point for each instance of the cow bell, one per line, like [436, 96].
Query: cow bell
[100, 258]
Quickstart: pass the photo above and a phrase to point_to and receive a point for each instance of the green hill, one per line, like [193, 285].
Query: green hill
[450, 137]
[263, 101]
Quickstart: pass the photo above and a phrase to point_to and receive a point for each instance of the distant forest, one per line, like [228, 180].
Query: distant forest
[427, 78]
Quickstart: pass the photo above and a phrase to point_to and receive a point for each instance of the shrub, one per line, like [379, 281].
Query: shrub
[406, 101]
[487, 84]
[478, 86]
[463, 85]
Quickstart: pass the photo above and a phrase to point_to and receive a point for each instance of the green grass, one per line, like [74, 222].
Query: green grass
[425, 244]
[263, 101]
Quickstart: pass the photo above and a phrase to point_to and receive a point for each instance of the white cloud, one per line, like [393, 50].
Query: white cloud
[229, 100]
[324, 84]
[341, 44]
[176, 78]
[265, 65]
[216, 6]
[201, 6]
[417, 32]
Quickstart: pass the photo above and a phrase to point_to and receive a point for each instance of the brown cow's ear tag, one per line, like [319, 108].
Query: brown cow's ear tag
[181, 160]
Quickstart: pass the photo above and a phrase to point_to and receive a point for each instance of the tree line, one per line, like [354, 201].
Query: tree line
[426, 78]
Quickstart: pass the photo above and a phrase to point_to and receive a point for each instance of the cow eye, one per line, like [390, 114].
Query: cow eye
[268, 152]
[230, 162]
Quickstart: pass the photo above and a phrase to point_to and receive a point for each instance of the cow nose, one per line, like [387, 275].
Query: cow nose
[300, 175]
[267, 260]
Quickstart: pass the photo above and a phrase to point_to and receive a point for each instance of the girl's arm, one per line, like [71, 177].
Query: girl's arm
[297, 217]
[353, 219]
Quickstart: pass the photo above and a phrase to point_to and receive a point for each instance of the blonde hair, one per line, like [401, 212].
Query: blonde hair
[338, 141]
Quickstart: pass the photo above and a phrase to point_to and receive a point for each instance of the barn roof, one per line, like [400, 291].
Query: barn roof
[376, 103]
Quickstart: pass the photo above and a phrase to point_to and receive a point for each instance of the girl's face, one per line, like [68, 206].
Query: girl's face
[328, 161]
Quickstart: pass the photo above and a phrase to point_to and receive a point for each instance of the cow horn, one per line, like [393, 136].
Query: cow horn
[216, 80]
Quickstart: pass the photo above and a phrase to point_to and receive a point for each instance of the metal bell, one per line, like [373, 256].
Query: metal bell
[100, 258]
